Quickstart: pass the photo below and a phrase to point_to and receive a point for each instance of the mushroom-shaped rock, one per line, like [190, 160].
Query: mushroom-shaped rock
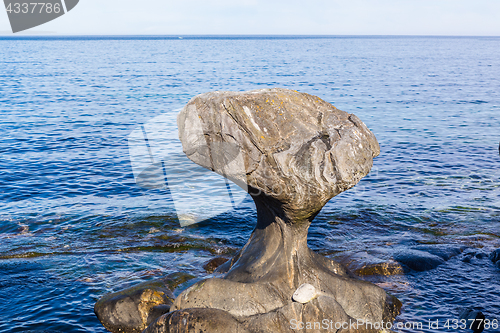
[292, 152]
[298, 151]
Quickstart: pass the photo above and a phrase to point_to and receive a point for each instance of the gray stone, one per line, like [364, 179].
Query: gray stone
[467, 258]
[195, 321]
[366, 264]
[389, 261]
[133, 309]
[481, 255]
[298, 152]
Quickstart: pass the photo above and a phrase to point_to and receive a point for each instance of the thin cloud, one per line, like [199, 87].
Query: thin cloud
[317, 17]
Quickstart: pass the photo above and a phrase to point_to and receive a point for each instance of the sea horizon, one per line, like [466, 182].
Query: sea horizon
[75, 224]
[30, 34]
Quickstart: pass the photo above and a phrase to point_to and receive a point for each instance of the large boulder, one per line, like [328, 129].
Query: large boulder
[418, 260]
[132, 309]
[296, 152]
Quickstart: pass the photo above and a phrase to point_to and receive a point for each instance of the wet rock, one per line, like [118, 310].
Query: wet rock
[445, 251]
[495, 256]
[418, 260]
[365, 264]
[305, 293]
[471, 255]
[384, 268]
[481, 255]
[384, 261]
[316, 309]
[214, 263]
[475, 319]
[470, 252]
[129, 310]
[467, 258]
[298, 152]
[133, 309]
[297, 317]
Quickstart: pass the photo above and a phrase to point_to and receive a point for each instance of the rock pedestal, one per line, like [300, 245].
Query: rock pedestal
[297, 152]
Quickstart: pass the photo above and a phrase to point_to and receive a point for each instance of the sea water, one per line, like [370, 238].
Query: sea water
[74, 224]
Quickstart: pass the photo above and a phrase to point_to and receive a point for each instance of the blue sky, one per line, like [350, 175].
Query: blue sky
[322, 17]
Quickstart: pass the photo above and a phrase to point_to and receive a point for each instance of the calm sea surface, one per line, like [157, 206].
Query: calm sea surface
[74, 225]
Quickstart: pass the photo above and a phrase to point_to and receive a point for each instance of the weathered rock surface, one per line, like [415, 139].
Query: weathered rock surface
[133, 309]
[298, 151]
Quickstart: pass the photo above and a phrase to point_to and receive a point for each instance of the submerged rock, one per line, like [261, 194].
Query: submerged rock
[495, 256]
[467, 258]
[393, 261]
[445, 251]
[297, 152]
[133, 309]
[366, 264]
[214, 263]
[197, 320]
[418, 260]
[481, 255]
[474, 319]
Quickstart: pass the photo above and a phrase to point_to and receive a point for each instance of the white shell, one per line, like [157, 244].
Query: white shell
[305, 293]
